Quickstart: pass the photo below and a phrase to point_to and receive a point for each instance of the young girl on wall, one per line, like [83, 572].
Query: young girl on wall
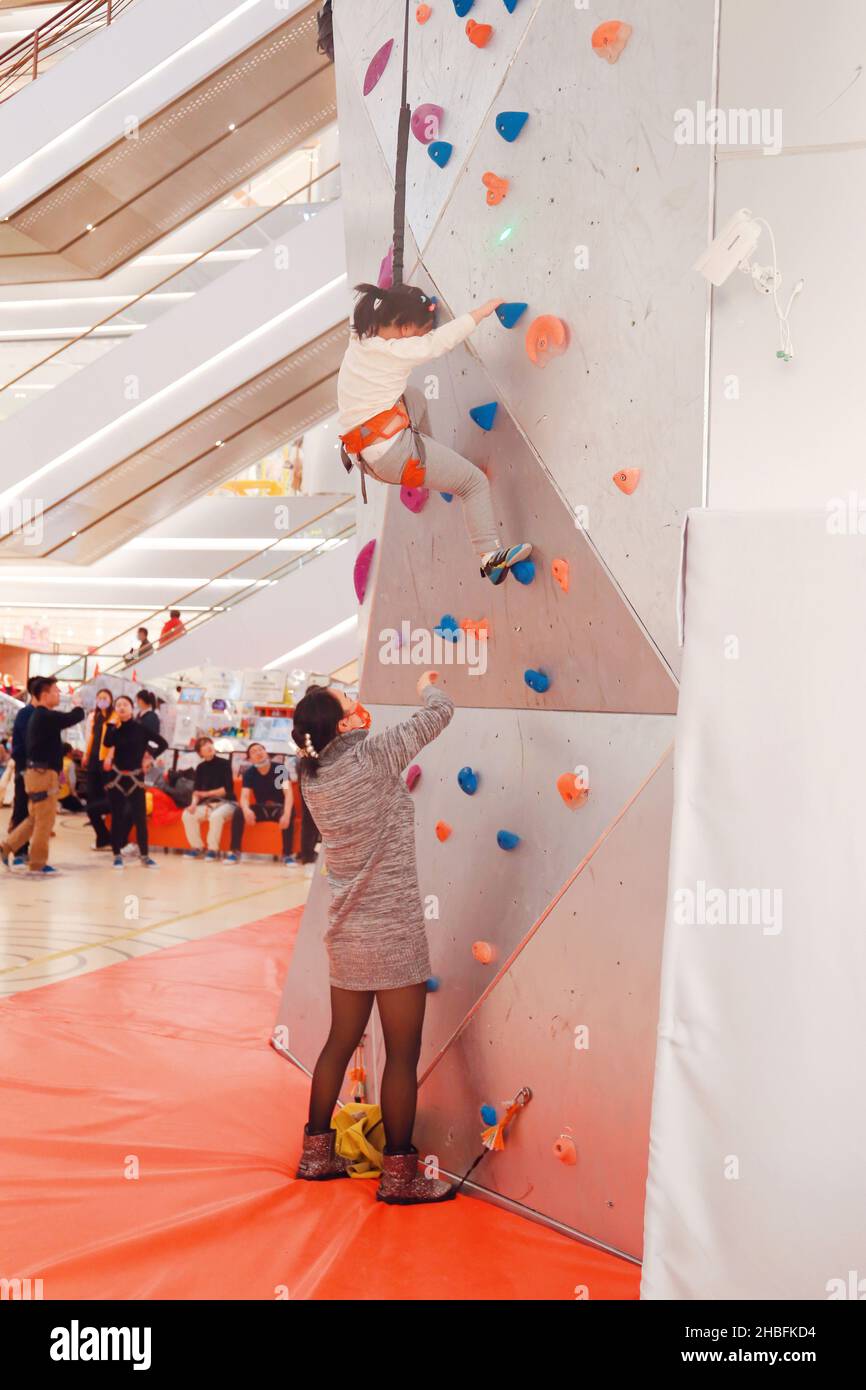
[392, 334]
[377, 946]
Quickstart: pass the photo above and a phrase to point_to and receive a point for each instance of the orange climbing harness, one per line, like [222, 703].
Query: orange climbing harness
[387, 425]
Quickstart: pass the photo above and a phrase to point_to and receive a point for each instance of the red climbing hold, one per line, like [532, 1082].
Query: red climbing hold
[561, 574]
[426, 121]
[423, 13]
[609, 39]
[546, 337]
[627, 480]
[483, 952]
[443, 830]
[497, 188]
[413, 776]
[572, 790]
[479, 34]
[378, 64]
[414, 498]
[362, 569]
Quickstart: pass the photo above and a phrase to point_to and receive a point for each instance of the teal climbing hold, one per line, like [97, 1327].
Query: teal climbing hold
[440, 152]
[538, 681]
[467, 780]
[506, 839]
[524, 571]
[510, 123]
[447, 496]
[484, 415]
[463, 7]
[510, 314]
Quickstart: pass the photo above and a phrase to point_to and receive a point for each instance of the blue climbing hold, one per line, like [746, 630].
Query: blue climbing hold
[488, 1114]
[510, 5]
[510, 314]
[468, 780]
[440, 152]
[447, 496]
[506, 839]
[432, 984]
[484, 415]
[510, 123]
[448, 628]
[538, 681]
[463, 7]
[524, 571]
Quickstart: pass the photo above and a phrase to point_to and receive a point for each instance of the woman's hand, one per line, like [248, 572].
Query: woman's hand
[428, 678]
[487, 309]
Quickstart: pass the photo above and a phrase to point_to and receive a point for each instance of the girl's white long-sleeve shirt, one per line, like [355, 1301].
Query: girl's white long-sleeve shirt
[375, 371]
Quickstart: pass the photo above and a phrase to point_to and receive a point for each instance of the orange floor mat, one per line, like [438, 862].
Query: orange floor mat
[149, 1138]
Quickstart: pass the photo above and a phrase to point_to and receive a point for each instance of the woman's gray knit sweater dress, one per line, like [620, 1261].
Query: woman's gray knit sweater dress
[366, 819]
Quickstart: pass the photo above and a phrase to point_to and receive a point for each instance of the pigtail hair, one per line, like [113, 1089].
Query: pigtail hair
[367, 316]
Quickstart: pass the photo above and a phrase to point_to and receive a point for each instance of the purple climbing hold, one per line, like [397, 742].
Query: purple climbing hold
[415, 498]
[510, 124]
[386, 271]
[426, 121]
[378, 64]
[413, 776]
[440, 152]
[510, 314]
[524, 571]
[362, 569]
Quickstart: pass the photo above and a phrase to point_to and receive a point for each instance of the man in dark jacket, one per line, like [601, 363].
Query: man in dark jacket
[44, 748]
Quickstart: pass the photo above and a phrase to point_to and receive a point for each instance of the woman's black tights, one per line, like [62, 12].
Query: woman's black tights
[402, 1015]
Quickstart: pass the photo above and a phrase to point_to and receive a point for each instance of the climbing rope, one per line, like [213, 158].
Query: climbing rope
[402, 161]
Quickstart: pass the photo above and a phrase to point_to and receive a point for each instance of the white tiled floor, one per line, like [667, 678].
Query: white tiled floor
[95, 915]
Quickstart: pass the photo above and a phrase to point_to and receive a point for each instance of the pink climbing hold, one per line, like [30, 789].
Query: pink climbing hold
[546, 337]
[426, 121]
[627, 480]
[378, 64]
[413, 777]
[386, 271]
[362, 569]
[609, 39]
[414, 498]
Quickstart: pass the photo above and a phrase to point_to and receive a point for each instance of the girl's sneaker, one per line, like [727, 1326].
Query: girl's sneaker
[232, 859]
[497, 563]
[117, 862]
[148, 863]
[211, 854]
[192, 854]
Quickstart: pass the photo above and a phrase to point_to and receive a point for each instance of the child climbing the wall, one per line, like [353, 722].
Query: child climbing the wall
[392, 334]
[352, 782]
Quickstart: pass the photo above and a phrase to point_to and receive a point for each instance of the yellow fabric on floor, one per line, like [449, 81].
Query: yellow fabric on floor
[354, 1125]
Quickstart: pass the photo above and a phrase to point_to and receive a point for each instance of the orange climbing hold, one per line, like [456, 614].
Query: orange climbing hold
[497, 188]
[565, 1150]
[423, 13]
[627, 480]
[561, 574]
[479, 629]
[413, 474]
[547, 337]
[479, 34]
[572, 790]
[443, 830]
[609, 39]
[483, 952]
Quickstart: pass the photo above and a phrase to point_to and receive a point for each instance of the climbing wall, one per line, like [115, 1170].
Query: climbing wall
[545, 951]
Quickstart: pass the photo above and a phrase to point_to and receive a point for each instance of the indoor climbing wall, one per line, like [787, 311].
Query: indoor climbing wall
[543, 170]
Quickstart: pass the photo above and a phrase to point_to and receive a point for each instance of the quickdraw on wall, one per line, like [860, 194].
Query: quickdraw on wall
[493, 1138]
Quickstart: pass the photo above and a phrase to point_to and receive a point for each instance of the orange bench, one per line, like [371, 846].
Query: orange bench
[265, 837]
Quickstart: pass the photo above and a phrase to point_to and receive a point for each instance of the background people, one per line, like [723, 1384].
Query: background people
[212, 801]
[44, 761]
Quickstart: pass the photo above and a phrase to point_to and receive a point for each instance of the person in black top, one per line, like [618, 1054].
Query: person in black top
[212, 800]
[95, 794]
[126, 743]
[44, 749]
[266, 794]
[19, 755]
[145, 711]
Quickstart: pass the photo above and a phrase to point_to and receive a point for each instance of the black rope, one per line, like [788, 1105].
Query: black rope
[402, 160]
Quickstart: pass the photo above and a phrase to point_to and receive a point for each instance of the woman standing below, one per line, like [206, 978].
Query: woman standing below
[145, 711]
[95, 795]
[126, 743]
[377, 946]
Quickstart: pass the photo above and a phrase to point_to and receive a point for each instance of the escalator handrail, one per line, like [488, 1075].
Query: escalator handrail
[27, 51]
